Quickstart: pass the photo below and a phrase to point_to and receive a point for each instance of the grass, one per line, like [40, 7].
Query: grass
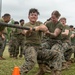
[7, 66]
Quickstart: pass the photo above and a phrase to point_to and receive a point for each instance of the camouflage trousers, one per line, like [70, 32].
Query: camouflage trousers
[13, 47]
[30, 53]
[2, 45]
[35, 53]
[67, 51]
[51, 57]
[73, 49]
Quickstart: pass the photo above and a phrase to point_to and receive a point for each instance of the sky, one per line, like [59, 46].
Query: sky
[19, 9]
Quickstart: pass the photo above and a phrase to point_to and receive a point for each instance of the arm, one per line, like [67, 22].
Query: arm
[72, 36]
[45, 29]
[27, 32]
[1, 34]
[55, 34]
[41, 28]
[65, 33]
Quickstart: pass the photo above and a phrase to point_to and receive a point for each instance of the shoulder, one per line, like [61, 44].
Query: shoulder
[48, 24]
[39, 23]
[67, 27]
[59, 25]
[27, 24]
[1, 20]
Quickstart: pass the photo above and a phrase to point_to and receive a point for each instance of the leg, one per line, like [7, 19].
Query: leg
[30, 60]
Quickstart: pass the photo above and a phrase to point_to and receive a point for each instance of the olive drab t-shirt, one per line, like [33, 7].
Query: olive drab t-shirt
[66, 27]
[15, 32]
[2, 27]
[20, 30]
[73, 39]
[35, 37]
[51, 27]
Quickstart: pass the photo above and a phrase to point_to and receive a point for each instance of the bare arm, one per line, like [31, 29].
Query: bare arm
[55, 34]
[1, 34]
[45, 29]
[65, 33]
[27, 32]
[41, 28]
[72, 36]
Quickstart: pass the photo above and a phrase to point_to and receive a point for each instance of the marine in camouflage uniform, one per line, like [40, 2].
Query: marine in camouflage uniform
[32, 42]
[21, 39]
[14, 43]
[66, 42]
[52, 55]
[72, 41]
[3, 31]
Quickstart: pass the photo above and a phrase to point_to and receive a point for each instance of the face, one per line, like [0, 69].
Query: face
[22, 22]
[63, 21]
[7, 19]
[72, 29]
[33, 17]
[54, 19]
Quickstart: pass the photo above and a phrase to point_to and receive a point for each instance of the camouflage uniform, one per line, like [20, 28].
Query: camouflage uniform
[2, 42]
[52, 48]
[21, 42]
[13, 45]
[32, 44]
[66, 43]
[73, 42]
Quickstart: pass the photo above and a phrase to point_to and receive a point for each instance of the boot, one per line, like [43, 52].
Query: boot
[46, 68]
[69, 62]
[64, 66]
[1, 58]
[52, 72]
[41, 70]
[57, 72]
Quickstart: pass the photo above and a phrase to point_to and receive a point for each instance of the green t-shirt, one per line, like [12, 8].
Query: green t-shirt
[66, 27]
[73, 39]
[15, 32]
[35, 37]
[2, 27]
[51, 27]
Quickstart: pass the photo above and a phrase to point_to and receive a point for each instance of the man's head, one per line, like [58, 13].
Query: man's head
[6, 17]
[33, 15]
[71, 27]
[55, 16]
[63, 20]
[16, 22]
[22, 22]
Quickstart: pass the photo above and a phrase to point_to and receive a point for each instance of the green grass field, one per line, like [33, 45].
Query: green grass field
[7, 66]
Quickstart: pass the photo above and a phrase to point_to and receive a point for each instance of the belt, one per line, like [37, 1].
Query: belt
[27, 44]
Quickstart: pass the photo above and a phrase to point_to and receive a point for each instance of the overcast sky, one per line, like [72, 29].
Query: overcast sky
[19, 9]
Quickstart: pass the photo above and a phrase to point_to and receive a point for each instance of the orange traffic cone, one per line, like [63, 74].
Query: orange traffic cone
[16, 71]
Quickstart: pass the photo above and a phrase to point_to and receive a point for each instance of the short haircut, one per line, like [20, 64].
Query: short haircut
[56, 13]
[71, 26]
[33, 10]
[21, 20]
[16, 22]
[5, 15]
[63, 18]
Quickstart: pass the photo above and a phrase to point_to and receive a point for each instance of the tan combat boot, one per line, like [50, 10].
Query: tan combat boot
[57, 72]
[64, 66]
[52, 72]
[41, 70]
[46, 69]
